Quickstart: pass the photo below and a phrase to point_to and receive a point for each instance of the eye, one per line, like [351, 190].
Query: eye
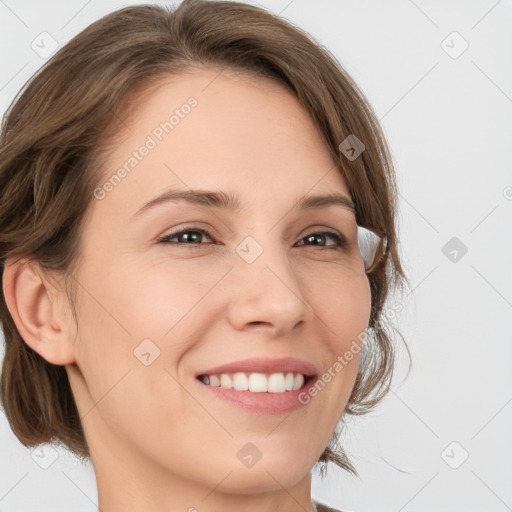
[185, 231]
[339, 240]
[315, 239]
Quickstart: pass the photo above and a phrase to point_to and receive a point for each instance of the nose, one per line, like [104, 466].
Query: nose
[268, 294]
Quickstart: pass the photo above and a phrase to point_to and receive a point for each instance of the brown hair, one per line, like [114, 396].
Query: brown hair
[56, 131]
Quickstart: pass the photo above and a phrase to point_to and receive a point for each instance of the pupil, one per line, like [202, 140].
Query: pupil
[312, 238]
[188, 237]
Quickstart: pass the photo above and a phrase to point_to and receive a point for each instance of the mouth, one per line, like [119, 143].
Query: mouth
[257, 382]
[259, 393]
[260, 375]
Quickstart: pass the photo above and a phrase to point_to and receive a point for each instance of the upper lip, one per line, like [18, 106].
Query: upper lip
[263, 365]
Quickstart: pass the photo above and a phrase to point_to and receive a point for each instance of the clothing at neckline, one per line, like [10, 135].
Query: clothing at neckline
[322, 507]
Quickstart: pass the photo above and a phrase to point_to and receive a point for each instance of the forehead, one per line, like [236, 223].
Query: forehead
[218, 129]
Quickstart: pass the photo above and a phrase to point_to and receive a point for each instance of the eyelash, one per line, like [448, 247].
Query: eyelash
[341, 242]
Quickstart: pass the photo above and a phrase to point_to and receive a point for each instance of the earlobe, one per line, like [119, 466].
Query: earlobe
[33, 303]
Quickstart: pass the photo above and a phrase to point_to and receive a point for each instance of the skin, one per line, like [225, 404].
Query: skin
[158, 441]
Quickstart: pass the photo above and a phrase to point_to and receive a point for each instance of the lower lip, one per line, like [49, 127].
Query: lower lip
[262, 403]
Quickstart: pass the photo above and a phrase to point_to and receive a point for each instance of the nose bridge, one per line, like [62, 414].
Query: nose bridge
[263, 257]
[270, 291]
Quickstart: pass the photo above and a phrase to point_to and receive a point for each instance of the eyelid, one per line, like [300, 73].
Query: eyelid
[338, 221]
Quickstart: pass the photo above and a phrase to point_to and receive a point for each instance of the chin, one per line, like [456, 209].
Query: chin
[270, 473]
[265, 480]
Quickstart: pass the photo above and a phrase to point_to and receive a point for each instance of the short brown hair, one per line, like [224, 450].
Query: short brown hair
[56, 131]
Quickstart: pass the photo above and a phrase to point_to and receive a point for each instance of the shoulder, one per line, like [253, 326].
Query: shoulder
[321, 507]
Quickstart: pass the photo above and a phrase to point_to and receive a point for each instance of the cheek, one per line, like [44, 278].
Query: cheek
[123, 316]
[343, 306]
[343, 309]
[131, 316]
[141, 301]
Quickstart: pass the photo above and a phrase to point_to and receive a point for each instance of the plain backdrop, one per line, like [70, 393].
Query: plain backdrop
[439, 76]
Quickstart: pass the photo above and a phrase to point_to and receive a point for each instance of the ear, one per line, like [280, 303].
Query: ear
[39, 310]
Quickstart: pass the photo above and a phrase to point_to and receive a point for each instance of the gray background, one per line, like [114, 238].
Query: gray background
[448, 119]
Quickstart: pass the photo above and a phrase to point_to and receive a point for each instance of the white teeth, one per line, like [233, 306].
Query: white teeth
[276, 383]
[226, 381]
[214, 380]
[256, 382]
[288, 381]
[240, 382]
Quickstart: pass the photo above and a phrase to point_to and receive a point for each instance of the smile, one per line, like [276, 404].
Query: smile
[264, 401]
[256, 382]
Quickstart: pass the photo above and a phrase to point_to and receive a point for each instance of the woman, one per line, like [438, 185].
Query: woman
[198, 238]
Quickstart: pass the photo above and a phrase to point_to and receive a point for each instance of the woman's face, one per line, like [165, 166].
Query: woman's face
[155, 314]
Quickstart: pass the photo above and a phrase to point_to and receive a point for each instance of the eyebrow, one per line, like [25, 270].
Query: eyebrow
[225, 201]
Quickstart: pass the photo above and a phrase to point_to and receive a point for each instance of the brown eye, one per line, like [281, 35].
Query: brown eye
[313, 238]
[193, 238]
[188, 240]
